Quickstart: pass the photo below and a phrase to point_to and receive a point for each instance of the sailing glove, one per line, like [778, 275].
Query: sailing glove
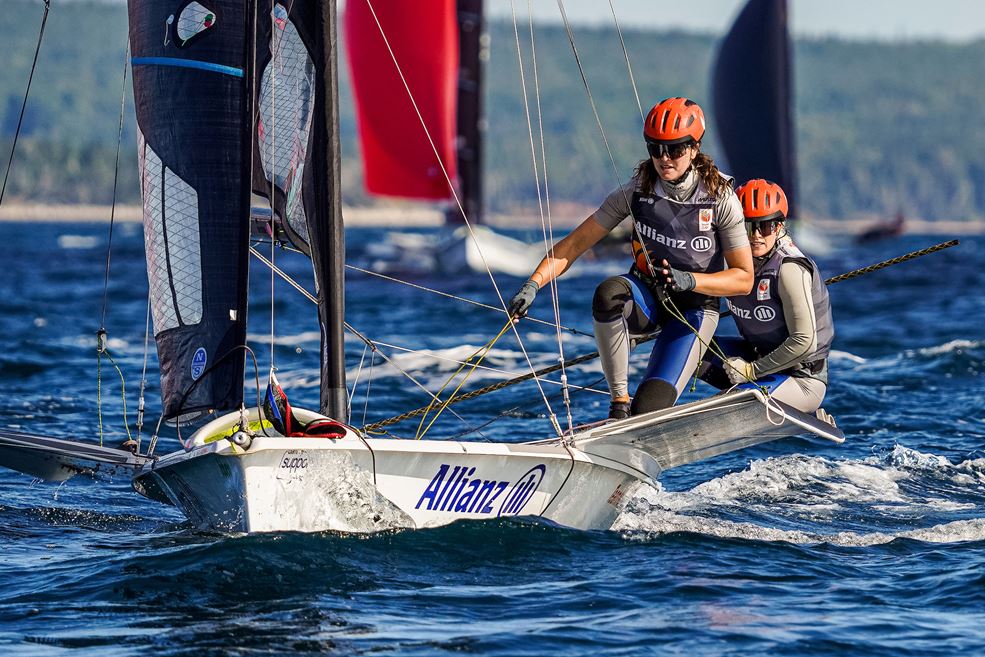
[676, 280]
[739, 370]
[523, 299]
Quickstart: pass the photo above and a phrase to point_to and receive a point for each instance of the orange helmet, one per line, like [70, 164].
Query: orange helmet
[762, 200]
[674, 121]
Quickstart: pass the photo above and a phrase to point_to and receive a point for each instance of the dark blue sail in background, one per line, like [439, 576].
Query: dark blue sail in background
[753, 90]
[192, 83]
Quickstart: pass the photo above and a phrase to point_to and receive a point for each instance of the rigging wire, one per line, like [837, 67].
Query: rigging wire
[548, 230]
[101, 338]
[533, 157]
[116, 177]
[458, 202]
[274, 48]
[447, 359]
[431, 290]
[629, 66]
[27, 92]
[367, 341]
[472, 302]
[479, 355]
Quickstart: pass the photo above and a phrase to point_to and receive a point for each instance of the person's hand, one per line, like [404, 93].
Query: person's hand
[675, 280]
[523, 299]
[739, 370]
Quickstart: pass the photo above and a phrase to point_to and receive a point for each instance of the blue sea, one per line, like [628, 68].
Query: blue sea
[874, 547]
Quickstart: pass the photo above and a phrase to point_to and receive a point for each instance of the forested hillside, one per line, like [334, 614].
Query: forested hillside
[880, 127]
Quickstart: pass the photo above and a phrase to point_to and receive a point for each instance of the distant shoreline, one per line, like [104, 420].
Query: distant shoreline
[414, 217]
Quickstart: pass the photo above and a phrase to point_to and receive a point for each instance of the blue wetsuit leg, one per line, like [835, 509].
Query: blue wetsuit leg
[676, 353]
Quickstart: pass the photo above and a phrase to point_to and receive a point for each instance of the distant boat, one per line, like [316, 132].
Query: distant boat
[418, 138]
[881, 230]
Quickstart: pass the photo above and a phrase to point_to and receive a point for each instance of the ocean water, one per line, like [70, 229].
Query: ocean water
[875, 547]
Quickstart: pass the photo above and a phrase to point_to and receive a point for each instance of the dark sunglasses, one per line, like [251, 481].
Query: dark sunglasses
[764, 228]
[673, 151]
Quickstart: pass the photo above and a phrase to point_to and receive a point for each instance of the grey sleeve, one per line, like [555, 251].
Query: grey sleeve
[729, 222]
[615, 207]
[794, 283]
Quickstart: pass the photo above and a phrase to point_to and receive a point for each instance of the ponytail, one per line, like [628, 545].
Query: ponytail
[710, 175]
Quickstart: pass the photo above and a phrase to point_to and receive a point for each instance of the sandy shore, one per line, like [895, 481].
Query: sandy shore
[563, 216]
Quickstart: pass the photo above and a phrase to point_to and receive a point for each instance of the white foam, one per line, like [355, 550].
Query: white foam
[946, 348]
[77, 242]
[816, 493]
[836, 355]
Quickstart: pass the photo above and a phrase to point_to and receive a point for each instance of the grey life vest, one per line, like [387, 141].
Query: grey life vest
[759, 315]
[680, 232]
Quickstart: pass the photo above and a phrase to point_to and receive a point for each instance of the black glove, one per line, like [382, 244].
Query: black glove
[523, 299]
[675, 280]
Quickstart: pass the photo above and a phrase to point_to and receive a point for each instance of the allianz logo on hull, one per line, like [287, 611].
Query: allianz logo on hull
[457, 490]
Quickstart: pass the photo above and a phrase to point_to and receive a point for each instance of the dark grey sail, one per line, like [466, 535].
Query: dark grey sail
[192, 78]
[753, 91]
[297, 161]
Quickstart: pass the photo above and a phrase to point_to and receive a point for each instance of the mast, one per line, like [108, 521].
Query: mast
[473, 51]
[328, 257]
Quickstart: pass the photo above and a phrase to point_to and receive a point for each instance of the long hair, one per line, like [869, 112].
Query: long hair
[646, 172]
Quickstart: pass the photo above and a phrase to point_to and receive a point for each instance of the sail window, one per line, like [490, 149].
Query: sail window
[287, 98]
[174, 267]
[194, 20]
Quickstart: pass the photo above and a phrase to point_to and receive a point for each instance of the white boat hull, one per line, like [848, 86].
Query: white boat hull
[356, 485]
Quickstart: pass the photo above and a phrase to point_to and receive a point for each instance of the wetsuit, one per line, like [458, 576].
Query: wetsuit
[682, 223]
[786, 328]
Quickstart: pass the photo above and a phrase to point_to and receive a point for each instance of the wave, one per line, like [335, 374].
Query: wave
[809, 499]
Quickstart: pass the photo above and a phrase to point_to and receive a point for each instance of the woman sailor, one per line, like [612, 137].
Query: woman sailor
[785, 322]
[689, 247]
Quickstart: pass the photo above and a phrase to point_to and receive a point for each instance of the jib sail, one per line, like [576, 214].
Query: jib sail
[753, 92]
[192, 81]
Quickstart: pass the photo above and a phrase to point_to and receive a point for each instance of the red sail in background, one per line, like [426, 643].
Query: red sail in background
[398, 158]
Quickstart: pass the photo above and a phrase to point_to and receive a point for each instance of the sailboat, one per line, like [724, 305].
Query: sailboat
[752, 84]
[417, 73]
[239, 102]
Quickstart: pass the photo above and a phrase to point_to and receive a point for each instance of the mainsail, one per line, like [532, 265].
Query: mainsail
[753, 89]
[296, 163]
[232, 105]
[192, 79]
[397, 152]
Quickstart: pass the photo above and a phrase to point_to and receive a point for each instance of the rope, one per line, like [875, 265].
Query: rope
[892, 261]
[482, 352]
[27, 92]
[573, 331]
[629, 66]
[497, 386]
[100, 352]
[116, 177]
[548, 229]
[644, 339]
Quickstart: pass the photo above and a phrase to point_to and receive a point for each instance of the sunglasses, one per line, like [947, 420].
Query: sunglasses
[764, 228]
[673, 151]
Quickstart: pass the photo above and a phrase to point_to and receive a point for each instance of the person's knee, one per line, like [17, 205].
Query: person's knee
[653, 395]
[610, 298]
